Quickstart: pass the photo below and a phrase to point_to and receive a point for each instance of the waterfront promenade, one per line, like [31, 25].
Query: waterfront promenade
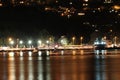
[75, 47]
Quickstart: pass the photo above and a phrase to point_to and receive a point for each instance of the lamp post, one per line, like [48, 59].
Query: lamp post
[20, 42]
[39, 43]
[11, 43]
[115, 40]
[81, 40]
[30, 42]
[73, 39]
[47, 43]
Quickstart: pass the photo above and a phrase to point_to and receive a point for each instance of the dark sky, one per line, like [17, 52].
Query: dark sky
[31, 21]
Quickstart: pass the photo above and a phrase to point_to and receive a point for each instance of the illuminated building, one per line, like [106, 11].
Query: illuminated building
[108, 1]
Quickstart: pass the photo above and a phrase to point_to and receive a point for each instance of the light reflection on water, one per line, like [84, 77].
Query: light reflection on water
[11, 68]
[100, 66]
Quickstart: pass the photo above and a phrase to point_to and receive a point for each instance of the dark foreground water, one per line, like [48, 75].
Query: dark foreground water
[61, 67]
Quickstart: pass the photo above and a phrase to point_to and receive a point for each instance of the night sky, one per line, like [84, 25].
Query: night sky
[30, 21]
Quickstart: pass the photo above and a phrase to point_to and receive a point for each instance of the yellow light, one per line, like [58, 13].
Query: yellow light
[81, 14]
[73, 38]
[21, 2]
[81, 52]
[86, 0]
[116, 7]
[11, 54]
[10, 39]
[1, 4]
[74, 52]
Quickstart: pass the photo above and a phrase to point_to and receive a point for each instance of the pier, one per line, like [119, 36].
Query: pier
[7, 49]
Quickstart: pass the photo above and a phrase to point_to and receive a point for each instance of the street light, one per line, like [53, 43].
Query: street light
[115, 40]
[20, 42]
[86, 0]
[30, 42]
[47, 43]
[10, 39]
[39, 42]
[11, 43]
[81, 39]
[73, 38]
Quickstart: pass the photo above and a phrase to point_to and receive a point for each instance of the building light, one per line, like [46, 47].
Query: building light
[1, 4]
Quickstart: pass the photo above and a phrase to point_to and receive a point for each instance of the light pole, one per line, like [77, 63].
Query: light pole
[81, 39]
[11, 43]
[115, 40]
[30, 42]
[73, 38]
[20, 42]
[47, 43]
[39, 43]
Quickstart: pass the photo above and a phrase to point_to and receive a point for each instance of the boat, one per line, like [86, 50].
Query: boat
[99, 44]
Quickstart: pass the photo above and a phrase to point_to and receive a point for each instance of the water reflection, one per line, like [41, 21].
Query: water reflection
[11, 68]
[103, 52]
[100, 67]
[30, 69]
[66, 67]
[62, 52]
[44, 68]
[21, 70]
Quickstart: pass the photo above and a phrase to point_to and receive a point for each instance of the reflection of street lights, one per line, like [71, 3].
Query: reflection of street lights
[73, 38]
[81, 39]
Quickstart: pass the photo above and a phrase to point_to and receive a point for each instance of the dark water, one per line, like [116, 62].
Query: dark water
[61, 67]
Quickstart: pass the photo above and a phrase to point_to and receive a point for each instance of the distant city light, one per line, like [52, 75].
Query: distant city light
[21, 42]
[39, 41]
[116, 7]
[29, 42]
[86, 0]
[81, 14]
[11, 42]
[1, 4]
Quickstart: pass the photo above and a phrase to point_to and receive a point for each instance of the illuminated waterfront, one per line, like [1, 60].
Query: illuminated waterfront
[78, 65]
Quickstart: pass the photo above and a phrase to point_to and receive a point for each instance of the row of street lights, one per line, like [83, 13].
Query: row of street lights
[20, 42]
[81, 40]
[39, 42]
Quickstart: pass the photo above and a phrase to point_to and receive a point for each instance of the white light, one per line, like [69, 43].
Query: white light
[62, 52]
[47, 42]
[39, 41]
[47, 53]
[21, 53]
[30, 53]
[86, 0]
[11, 42]
[21, 42]
[29, 42]
[11, 54]
[96, 43]
[39, 53]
